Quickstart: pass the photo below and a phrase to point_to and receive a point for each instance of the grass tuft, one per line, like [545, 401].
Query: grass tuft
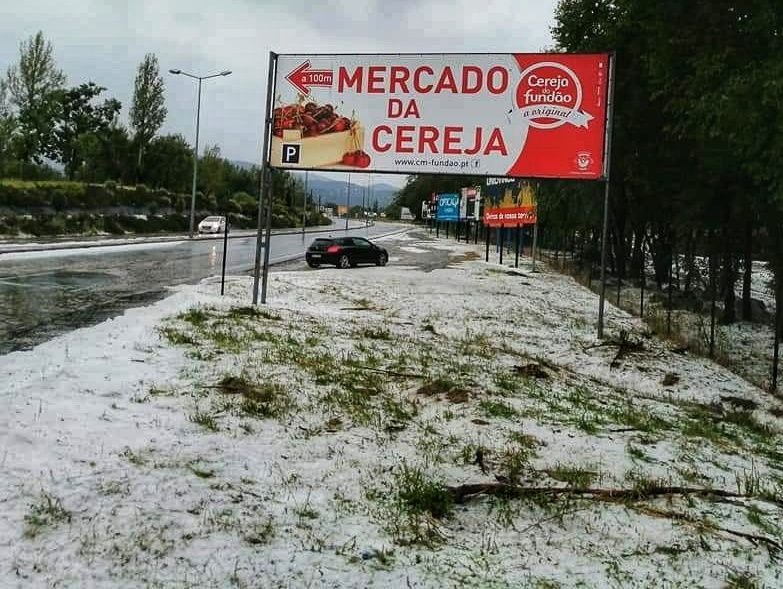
[48, 511]
[204, 419]
[577, 477]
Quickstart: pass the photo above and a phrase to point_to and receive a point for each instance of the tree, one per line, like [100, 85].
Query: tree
[32, 84]
[170, 163]
[107, 155]
[148, 110]
[8, 127]
[212, 174]
[80, 117]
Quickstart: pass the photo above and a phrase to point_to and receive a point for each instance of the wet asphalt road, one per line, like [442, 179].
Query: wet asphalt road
[45, 294]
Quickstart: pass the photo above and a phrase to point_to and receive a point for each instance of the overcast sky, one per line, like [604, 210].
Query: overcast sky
[104, 40]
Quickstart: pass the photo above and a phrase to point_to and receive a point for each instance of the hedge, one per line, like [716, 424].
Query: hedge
[61, 195]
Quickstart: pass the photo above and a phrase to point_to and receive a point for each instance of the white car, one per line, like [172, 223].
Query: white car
[212, 225]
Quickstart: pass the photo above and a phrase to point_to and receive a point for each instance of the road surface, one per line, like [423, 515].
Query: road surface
[43, 294]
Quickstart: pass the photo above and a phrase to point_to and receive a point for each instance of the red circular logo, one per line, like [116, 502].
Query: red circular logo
[547, 93]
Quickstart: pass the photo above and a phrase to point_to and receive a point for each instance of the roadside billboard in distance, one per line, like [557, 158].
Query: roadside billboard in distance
[448, 207]
[509, 203]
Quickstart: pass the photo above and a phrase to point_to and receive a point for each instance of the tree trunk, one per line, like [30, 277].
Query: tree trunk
[636, 251]
[747, 312]
[728, 272]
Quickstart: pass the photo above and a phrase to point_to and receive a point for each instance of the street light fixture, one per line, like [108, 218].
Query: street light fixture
[195, 149]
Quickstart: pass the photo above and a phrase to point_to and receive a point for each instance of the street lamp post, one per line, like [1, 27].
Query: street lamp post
[195, 149]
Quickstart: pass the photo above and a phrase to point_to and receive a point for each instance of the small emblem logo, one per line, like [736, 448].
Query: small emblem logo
[583, 160]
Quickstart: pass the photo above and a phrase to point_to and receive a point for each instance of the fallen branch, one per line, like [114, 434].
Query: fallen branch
[389, 372]
[464, 493]
[754, 539]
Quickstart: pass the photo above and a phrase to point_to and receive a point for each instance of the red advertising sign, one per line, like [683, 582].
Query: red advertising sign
[510, 115]
[509, 203]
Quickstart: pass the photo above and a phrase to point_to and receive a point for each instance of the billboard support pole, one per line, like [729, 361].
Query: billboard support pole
[348, 206]
[486, 238]
[500, 243]
[304, 207]
[607, 171]
[265, 193]
[516, 246]
[535, 244]
[776, 345]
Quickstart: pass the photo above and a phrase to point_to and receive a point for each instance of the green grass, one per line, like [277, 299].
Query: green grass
[46, 512]
[513, 462]
[197, 317]
[177, 337]
[639, 418]
[375, 333]
[497, 409]
[577, 477]
[738, 580]
[259, 533]
[204, 419]
[200, 472]
[419, 495]
[134, 458]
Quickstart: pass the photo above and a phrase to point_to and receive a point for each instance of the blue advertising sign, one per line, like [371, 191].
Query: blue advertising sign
[448, 207]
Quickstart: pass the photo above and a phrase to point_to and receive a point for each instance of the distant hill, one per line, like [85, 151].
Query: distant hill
[336, 191]
[244, 165]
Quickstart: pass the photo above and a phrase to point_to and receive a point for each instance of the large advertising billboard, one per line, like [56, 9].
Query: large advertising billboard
[506, 115]
[509, 203]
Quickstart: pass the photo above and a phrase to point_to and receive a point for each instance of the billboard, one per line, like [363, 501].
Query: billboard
[471, 202]
[509, 114]
[448, 207]
[509, 203]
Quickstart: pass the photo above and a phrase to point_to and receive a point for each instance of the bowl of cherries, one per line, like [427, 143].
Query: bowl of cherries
[310, 119]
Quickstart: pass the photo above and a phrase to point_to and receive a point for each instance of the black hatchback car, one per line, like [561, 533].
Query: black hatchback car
[344, 252]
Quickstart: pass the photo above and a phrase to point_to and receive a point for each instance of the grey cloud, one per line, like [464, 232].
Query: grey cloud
[104, 40]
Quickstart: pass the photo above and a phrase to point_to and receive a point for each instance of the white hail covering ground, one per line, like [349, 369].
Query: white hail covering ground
[108, 481]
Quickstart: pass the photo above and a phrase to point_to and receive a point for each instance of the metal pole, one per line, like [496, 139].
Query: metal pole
[778, 327]
[265, 191]
[195, 164]
[267, 234]
[516, 246]
[669, 303]
[535, 244]
[714, 296]
[348, 206]
[500, 243]
[486, 237]
[225, 249]
[607, 171]
[644, 282]
[370, 193]
[304, 207]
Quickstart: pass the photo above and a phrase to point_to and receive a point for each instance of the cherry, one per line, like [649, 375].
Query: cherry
[349, 159]
[362, 159]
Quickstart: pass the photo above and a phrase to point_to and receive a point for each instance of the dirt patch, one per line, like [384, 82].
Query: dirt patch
[531, 370]
[451, 391]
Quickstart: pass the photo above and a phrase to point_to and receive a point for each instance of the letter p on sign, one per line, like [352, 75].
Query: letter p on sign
[291, 153]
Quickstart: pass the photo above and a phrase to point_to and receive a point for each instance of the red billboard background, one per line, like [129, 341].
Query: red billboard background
[570, 142]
